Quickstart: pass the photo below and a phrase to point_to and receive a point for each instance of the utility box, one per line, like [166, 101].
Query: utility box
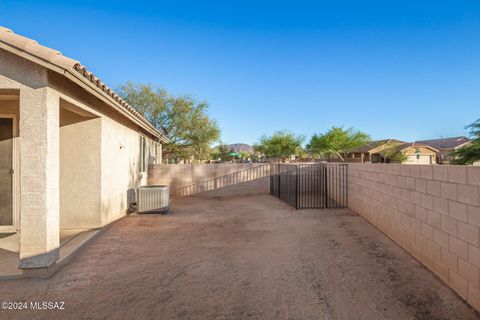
[153, 199]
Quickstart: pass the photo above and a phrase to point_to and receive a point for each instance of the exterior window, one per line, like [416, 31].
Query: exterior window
[143, 153]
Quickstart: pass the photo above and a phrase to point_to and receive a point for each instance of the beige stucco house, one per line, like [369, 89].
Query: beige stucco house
[415, 153]
[70, 148]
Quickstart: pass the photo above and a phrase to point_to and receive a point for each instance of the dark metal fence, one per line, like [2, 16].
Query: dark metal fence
[310, 185]
[283, 182]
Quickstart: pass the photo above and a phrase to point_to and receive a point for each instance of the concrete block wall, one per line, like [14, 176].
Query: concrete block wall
[433, 212]
[226, 179]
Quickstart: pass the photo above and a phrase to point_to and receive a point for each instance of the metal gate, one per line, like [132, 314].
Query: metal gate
[310, 185]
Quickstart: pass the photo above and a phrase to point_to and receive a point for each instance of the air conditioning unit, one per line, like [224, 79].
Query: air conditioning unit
[153, 199]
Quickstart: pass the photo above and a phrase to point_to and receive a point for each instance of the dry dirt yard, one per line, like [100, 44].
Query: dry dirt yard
[240, 258]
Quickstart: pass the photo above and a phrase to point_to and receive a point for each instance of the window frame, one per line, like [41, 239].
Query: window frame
[143, 154]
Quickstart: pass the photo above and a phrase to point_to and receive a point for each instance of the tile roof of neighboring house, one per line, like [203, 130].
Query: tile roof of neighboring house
[446, 143]
[74, 67]
[375, 144]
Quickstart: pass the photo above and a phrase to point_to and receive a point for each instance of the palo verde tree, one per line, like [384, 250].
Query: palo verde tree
[185, 120]
[469, 153]
[337, 142]
[282, 144]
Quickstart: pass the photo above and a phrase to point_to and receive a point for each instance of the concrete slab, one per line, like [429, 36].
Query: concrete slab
[71, 241]
[9, 247]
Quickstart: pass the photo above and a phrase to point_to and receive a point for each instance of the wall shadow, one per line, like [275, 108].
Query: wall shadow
[184, 174]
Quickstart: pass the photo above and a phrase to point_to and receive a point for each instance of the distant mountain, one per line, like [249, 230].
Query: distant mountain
[239, 147]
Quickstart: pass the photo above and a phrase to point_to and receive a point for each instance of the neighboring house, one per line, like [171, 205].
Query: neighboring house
[417, 153]
[373, 152]
[445, 147]
[70, 148]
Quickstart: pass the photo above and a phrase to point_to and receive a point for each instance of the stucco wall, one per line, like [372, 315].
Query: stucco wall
[119, 151]
[39, 170]
[412, 159]
[13, 76]
[423, 151]
[120, 167]
[433, 212]
[229, 179]
[80, 159]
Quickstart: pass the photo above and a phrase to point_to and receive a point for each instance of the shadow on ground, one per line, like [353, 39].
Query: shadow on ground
[241, 258]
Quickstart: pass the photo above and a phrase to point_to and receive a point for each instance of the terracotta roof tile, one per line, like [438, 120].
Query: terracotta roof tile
[56, 58]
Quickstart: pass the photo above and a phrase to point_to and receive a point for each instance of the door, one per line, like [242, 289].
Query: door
[422, 159]
[6, 172]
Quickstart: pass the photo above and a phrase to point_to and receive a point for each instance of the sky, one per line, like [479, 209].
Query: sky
[405, 69]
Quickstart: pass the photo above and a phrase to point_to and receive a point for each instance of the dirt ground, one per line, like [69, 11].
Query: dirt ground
[240, 258]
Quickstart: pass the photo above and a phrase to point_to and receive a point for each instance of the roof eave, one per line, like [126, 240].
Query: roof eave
[81, 81]
[425, 146]
[462, 145]
[87, 85]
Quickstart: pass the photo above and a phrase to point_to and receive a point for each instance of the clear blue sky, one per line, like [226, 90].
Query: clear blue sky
[403, 69]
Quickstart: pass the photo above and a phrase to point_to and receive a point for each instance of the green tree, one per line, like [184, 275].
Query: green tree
[392, 153]
[184, 120]
[282, 144]
[221, 152]
[469, 153]
[337, 142]
[245, 155]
